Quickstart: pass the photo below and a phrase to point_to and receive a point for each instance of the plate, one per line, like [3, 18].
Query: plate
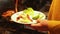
[14, 17]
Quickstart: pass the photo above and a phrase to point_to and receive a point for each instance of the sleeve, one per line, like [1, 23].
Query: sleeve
[50, 11]
[54, 27]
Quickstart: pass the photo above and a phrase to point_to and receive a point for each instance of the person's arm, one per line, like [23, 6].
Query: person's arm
[54, 27]
[47, 25]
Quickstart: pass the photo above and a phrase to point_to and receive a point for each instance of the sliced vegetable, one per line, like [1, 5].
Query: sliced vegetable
[36, 17]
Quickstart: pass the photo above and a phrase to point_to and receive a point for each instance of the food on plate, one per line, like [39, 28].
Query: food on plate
[29, 16]
[36, 17]
[24, 18]
[29, 11]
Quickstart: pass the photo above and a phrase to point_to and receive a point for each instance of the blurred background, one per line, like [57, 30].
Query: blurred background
[39, 5]
[13, 28]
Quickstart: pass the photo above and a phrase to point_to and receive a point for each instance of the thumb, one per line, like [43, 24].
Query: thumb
[38, 24]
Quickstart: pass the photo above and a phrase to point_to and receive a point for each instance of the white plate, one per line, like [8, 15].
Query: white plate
[14, 17]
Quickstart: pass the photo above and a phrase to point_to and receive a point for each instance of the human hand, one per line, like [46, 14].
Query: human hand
[41, 25]
[8, 13]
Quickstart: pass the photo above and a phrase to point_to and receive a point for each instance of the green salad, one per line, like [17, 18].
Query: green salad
[29, 15]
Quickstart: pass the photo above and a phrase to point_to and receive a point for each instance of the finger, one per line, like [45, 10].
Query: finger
[38, 24]
[38, 20]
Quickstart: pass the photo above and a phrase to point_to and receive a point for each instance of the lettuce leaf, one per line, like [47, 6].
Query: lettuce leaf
[29, 11]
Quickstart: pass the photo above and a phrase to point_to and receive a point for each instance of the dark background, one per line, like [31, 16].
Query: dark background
[22, 4]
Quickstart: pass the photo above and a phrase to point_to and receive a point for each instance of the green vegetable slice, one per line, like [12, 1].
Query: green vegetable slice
[36, 17]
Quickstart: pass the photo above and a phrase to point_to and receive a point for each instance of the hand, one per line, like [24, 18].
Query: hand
[41, 25]
[8, 13]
